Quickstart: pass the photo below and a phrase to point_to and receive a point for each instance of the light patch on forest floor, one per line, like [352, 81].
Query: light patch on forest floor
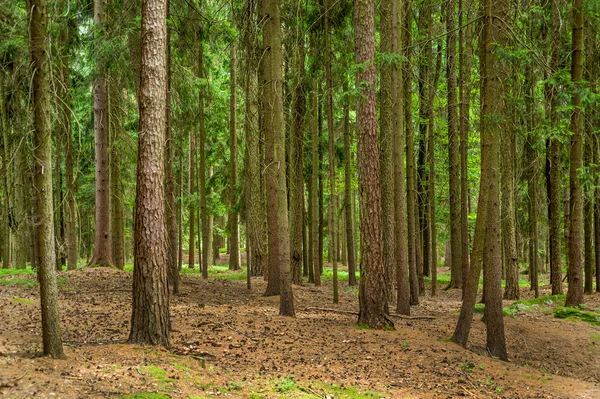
[228, 341]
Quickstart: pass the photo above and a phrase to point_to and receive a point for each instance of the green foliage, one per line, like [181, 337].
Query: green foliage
[146, 395]
[23, 301]
[285, 385]
[576, 314]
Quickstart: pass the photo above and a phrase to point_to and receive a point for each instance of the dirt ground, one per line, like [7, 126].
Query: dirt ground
[228, 341]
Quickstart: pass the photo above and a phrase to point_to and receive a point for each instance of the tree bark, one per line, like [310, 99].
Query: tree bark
[574, 272]
[373, 296]
[348, 200]
[102, 248]
[45, 262]
[234, 237]
[150, 308]
[275, 141]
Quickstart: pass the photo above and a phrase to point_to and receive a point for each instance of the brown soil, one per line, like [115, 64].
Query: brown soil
[228, 341]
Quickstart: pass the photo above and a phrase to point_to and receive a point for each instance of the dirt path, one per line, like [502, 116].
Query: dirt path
[227, 341]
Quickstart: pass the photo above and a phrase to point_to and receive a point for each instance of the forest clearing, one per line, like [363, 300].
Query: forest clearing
[230, 342]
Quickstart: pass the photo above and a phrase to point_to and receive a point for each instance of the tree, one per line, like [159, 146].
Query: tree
[574, 272]
[234, 238]
[486, 242]
[456, 275]
[46, 257]
[277, 216]
[150, 309]
[102, 249]
[373, 297]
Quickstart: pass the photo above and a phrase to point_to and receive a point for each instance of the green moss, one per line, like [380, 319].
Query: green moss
[576, 314]
[285, 385]
[547, 300]
[23, 301]
[157, 374]
[22, 282]
[346, 392]
[17, 272]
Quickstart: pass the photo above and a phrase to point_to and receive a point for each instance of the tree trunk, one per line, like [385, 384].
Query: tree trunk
[40, 67]
[331, 154]
[486, 243]
[150, 308]
[313, 272]
[254, 199]
[102, 248]
[399, 140]
[456, 274]
[234, 238]
[169, 183]
[275, 141]
[296, 170]
[116, 204]
[348, 200]
[387, 99]
[206, 220]
[508, 221]
[574, 272]
[373, 296]
[532, 177]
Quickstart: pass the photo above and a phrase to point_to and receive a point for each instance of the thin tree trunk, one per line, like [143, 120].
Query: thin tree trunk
[399, 140]
[348, 200]
[102, 248]
[116, 204]
[574, 272]
[331, 154]
[313, 272]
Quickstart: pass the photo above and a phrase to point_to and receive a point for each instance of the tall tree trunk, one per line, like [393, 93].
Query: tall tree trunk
[169, 183]
[486, 243]
[314, 189]
[275, 142]
[410, 157]
[456, 274]
[254, 199]
[574, 272]
[553, 158]
[531, 155]
[234, 237]
[150, 308]
[7, 181]
[205, 219]
[399, 140]
[331, 153]
[117, 234]
[464, 62]
[508, 220]
[65, 95]
[374, 310]
[45, 262]
[348, 200]
[102, 248]
[387, 99]
[296, 170]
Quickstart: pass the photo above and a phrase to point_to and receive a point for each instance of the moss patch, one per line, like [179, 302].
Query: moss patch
[576, 314]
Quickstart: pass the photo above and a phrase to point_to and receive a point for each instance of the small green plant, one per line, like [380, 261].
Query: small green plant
[286, 384]
[405, 343]
[146, 395]
[236, 386]
[467, 366]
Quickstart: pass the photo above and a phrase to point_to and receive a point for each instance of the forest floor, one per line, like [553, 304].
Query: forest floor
[230, 342]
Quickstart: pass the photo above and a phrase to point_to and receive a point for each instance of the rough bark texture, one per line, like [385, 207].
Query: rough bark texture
[553, 160]
[399, 140]
[387, 98]
[456, 274]
[206, 220]
[102, 248]
[254, 200]
[150, 308]
[532, 189]
[45, 262]
[275, 135]
[574, 272]
[374, 310]
[486, 242]
[509, 230]
[170, 209]
[410, 155]
[234, 234]
[117, 234]
[296, 155]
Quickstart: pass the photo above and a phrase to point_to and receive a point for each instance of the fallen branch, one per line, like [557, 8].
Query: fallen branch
[400, 316]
